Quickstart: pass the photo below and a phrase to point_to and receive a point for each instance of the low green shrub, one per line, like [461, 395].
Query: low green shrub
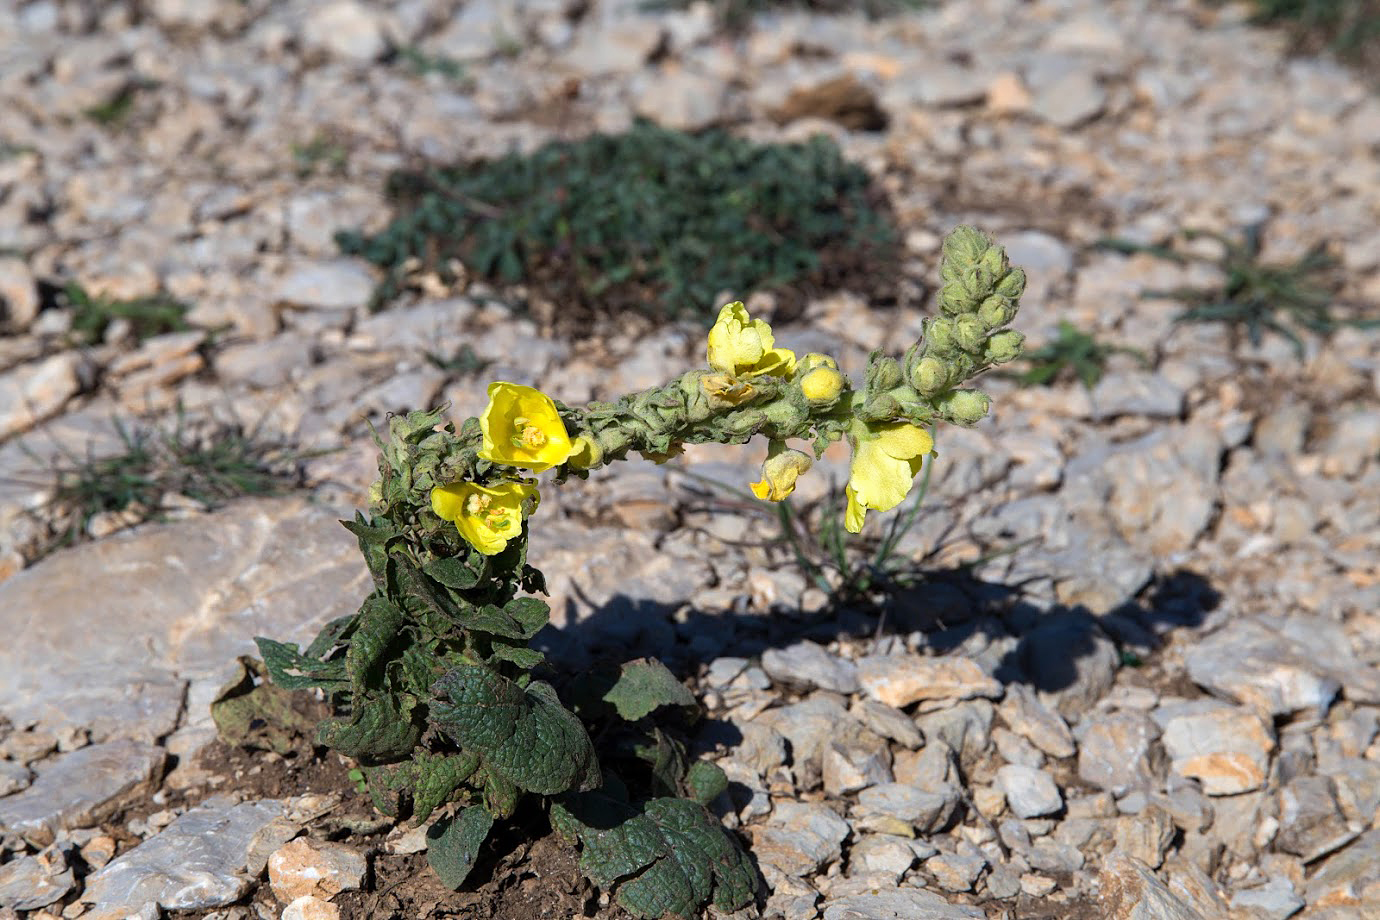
[650, 221]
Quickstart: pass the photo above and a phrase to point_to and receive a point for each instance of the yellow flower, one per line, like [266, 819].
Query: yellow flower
[740, 346]
[487, 517]
[886, 460]
[779, 472]
[522, 428]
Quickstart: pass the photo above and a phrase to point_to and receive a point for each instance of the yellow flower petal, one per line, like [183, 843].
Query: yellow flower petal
[522, 428]
[487, 517]
[781, 469]
[886, 460]
[741, 346]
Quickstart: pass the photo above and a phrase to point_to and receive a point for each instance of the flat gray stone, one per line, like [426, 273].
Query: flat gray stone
[1281, 665]
[336, 284]
[1130, 891]
[175, 602]
[1227, 748]
[30, 882]
[900, 680]
[1114, 751]
[34, 391]
[1311, 820]
[900, 904]
[1030, 792]
[957, 871]
[1137, 393]
[1275, 900]
[1070, 661]
[82, 787]
[1022, 710]
[14, 777]
[1070, 101]
[194, 863]
[810, 725]
[800, 838]
[923, 809]
[806, 665]
[1350, 877]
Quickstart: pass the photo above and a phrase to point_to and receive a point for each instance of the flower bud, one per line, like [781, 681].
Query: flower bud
[1004, 346]
[822, 385]
[965, 245]
[813, 360]
[746, 421]
[883, 374]
[994, 261]
[996, 311]
[966, 407]
[1012, 286]
[939, 335]
[929, 375]
[970, 334]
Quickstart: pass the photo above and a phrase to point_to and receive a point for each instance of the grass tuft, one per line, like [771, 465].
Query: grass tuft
[147, 316]
[208, 463]
[735, 15]
[1256, 297]
[651, 221]
[1074, 353]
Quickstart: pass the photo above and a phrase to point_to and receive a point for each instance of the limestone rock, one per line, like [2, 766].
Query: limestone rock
[1226, 747]
[81, 787]
[900, 680]
[315, 868]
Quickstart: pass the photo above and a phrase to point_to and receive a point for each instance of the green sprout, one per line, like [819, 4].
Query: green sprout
[1074, 352]
[115, 111]
[321, 153]
[147, 316]
[422, 63]
[1287, 299]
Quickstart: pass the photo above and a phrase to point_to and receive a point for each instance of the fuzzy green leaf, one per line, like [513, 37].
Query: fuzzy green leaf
[378, 730]
[645, 685]
[667, 858]
[379, 622]
[453, 573]
[520, 655]
[331, 635]
[525, 736]
[438, 777]
[281, 658]
[453, 845]
[533, 613]
[705, 781]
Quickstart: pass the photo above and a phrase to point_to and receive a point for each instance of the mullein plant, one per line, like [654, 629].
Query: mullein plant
[434, 682]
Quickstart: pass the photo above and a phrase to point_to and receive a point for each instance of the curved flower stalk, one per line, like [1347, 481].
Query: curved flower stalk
[752, 387]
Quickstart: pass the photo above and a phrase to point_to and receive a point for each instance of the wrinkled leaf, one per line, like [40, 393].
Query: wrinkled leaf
[281, 658]
[379, 621]
[453, 573]
[666, 756]
[532, 612]
[378, 729]
[645, 685]
[453, 845]
[705, 781]
[667, 858]
[525, 736]
[331, 635]
[520, 655]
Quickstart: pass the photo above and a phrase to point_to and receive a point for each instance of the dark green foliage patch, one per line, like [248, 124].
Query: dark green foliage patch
[653, 221]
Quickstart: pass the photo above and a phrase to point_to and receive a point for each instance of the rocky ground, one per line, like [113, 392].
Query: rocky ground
[1155, 696]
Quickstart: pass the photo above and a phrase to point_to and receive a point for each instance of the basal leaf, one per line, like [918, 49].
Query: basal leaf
[453, 845]
[379, 729]
[525, 736]
[644, 685]
[520, 655]
[331, 634]
[379, 622]
[667, 858]
[291, 670]
[437, 777]
[533, 613]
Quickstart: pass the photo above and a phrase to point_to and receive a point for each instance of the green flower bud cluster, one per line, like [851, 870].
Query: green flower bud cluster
[979, 297]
